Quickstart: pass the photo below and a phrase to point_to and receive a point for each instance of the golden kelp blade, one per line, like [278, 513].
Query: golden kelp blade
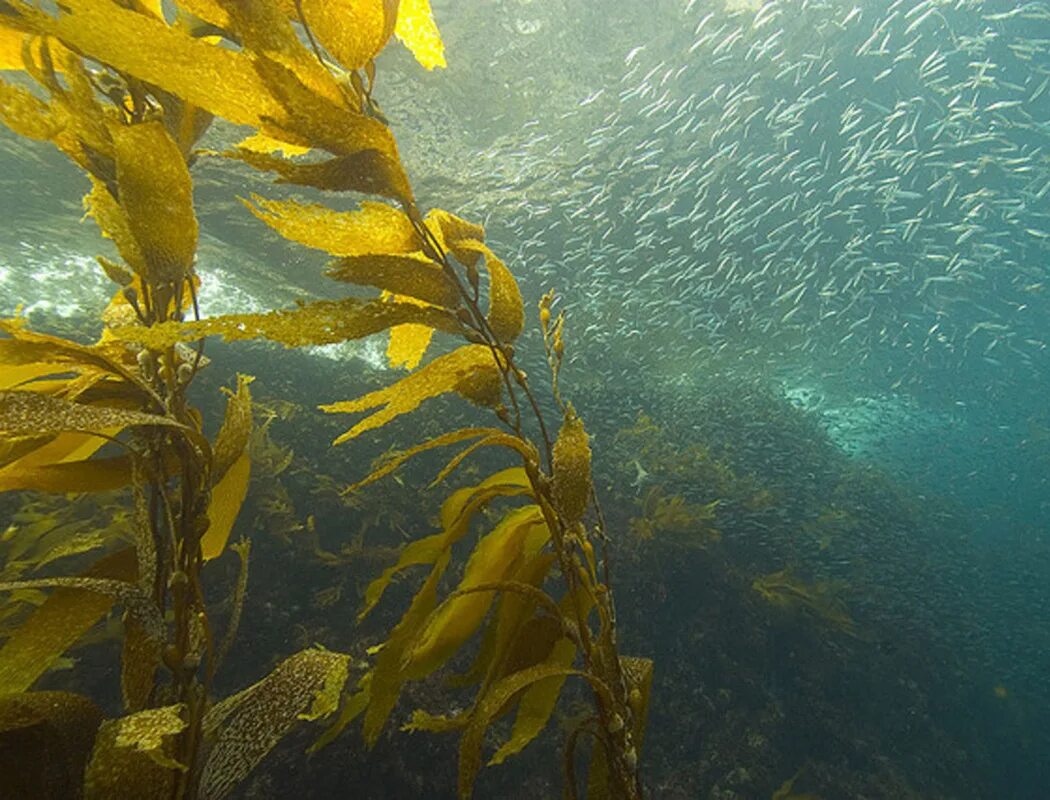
[10, 48]
[495, 438]
[397, 459]
[352, 707]
[53, 627]
[449, 229]
[133, 758]
[537, 703]
[456, 514]
[25, 413]
[114, 225]
[231, 470]
[352, 31]
[29, 347]
[417, 30]
[387, 678]
[318, 323]
[506, 314]
[233, 436]
[469, 370]
[261, 143]
[408, 344]
[96, 475]
[488, 707]
[369, 171]
[219, 80]
[226, 500]
[495, 556]
[374, 228]
[414, 276]
[283, 60]
[243, 728]
[66, 448]
[156, 193]
[27, 115]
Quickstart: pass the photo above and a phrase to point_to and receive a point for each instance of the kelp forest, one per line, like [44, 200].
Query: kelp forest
[230, 569]
[125, 92]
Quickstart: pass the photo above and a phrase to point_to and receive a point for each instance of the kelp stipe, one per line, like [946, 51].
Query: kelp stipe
[128, 94]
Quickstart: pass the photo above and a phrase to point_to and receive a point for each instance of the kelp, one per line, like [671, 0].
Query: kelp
[494, 557]
[469, 370]
[373, 229]
[671, 517]
[318, 323]
[820, 600]
[126, 94]
[155, 191]
[419, 33]
[25, 413]
[134, 756]
[242, 729]
[53, 627]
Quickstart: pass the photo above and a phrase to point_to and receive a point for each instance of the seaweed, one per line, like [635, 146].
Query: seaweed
[126, 90]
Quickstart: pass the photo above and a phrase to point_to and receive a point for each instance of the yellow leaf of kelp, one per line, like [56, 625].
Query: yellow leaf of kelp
[461, 503]
[450, 229]
[417, 30]
[26, 347]
[261, 143]
[408, 344]
[486, 710]
[495, 438]
[134, 756]
[395, 460]
[10, 48]
[495, 556]
[96, 475]
[283, 59]
[456, 514]
[243, 728]
[227, 496]
[12, 375]
[218, 79]
[25, 413]
[27, 115]
[414, 276]
[506, 314]
[469, 370]
[351, 709]
[236, 430]
[572, 468]
[512, 627]
[148, 731]
[140, 657]
[156, 194]
[193, 15]
[113, 223]
[62, 619]
[537, 703]
[318, 323]
[369, 171]
[374, 228]
[387, 677]
[352, 31]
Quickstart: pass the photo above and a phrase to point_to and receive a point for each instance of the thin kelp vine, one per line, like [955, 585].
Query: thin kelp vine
[126, 90]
